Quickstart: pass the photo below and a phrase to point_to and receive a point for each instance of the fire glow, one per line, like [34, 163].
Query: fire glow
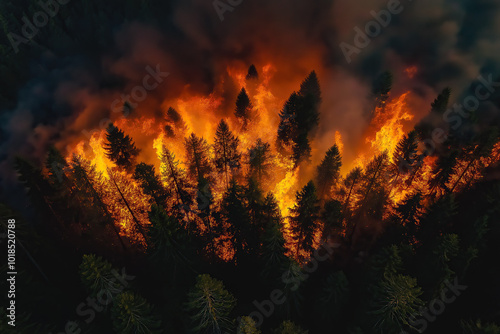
[388, 126]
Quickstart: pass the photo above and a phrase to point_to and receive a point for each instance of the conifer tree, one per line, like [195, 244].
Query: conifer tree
[210, 305]
[197, 157]
[227, 157]
[396, 299]
[168, 242]
[288, 327]
[259, 160]
[481, 147]
[175, 178]
[372, 193]
[247, 326]
[254, 203]
[38, 188]
[442, 173]
[299, 116]
[98, 275]
[328, 171]
[335, 295]
[435, 118]
[243, 110]
[150, 183]
[87, 181]
[252, 73]
[206, 211]
[310, 93]
[273, 242]
[235, 213]
[404, 156]
[132, 314]
[292, 278]
[56, 166]
[120, 148]
[351, 184]
[381, 88]
[288, 126]
[301, 148]
[305, 218]
[332, 218]
[176, 125]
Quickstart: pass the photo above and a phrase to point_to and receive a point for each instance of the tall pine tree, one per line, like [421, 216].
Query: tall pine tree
[120, 148]
[227, 158]
[305, 218]
[328, 172]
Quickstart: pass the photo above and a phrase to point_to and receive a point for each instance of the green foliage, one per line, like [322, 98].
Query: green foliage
[99, 276]
[335, 294]
[288, 327]
[168, 241]
[386, 263]
[247, 326]
[471, 327]
[210, 305]
[395, 300]
[132, 314]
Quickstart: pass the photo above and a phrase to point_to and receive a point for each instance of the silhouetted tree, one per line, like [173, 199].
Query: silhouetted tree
[197, 157]
[235, 213]
[404, 156]
[120, 148]
[150, 183]
[252, 73]
[435, 118]
[273, 242]
[305, 218]
[227, 157]
[168, 241]
[259, 160]
[243, 110]
[332, 218]
[175, 178]
[381, 88]
[328, 171]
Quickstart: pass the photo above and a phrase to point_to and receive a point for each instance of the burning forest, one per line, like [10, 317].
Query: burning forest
[191, 168]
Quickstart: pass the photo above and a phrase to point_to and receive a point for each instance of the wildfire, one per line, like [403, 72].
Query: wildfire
[201, 115]
[390, 121]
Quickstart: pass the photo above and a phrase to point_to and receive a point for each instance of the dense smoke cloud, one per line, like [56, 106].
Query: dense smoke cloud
[449, 42]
